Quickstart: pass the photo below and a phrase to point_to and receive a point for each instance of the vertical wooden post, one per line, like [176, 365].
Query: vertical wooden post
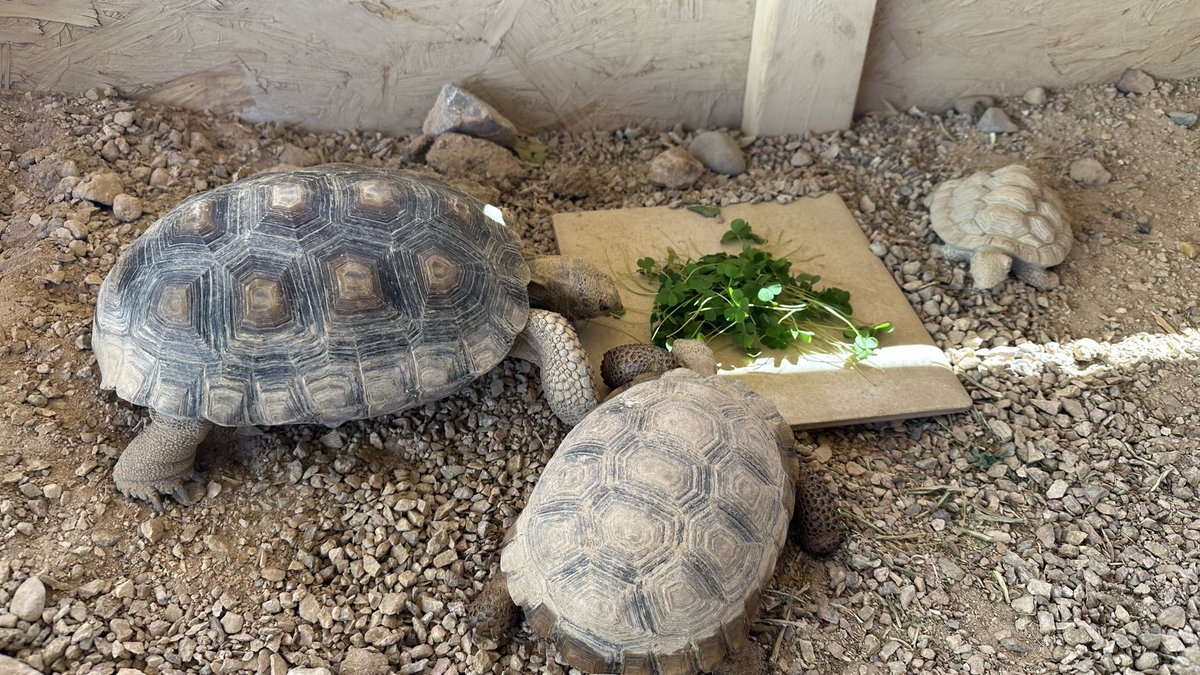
[806, 58]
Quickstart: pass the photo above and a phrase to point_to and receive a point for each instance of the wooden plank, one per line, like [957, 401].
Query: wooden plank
[806, 58]
[909, 377]
[74, 12]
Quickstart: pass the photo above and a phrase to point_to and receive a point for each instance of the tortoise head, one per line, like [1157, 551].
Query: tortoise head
[629, 364]
[572, 287]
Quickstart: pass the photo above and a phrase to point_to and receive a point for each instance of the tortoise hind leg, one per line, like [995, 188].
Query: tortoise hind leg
[159, 459]
[550, 342]
[1038, 277]
[749, 660]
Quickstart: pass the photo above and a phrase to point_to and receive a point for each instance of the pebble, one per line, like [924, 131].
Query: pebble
[1172, 617]
[29, 600]
[1035, 96]
[457, 110]
[719, 152]
[995, 121]
[101, 188]
[1183, 119]
[800, 159]
[126, 208]
[364, 662]
[296, 156]
[675, 168]
[460, 155]
[1089, 172]
[11, 666]
[1025, 605]
[1135, 81]
[1057, 489]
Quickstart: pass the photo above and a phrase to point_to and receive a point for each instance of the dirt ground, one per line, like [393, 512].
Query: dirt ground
[1051, 529]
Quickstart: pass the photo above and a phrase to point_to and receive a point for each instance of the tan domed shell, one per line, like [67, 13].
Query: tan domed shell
[1005, 209]
[321, 295]
[655, 527]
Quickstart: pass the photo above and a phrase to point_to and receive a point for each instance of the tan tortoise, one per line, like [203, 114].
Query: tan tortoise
[322, 295]
[656, 526]
[1002, 221]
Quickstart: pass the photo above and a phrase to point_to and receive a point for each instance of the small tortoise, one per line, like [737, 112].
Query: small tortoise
[324, 295]
[656, 526]
[1002, 221]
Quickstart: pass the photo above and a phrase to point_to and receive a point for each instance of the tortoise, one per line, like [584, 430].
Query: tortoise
[323, 295]
[1002, 221]
[654, 529]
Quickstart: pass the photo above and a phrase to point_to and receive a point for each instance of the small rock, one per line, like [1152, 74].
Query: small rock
[160, 177]
[297, 156]
[232, 622]
[1089, 172]
[309, 671]
[719, 152]
[123, 118]
[1146, 661]
[675, 168]
[1025, 605]
[460, 155]
[457, 110]
[1172, 617]
[310, 609]
[101, 188]
[1035, 96]
[126, 208]
[1183, 119]
[29, 600]
[11, 666]
[1057, 489]
[973, 105]
[995, 121]
[1039, 588]
[153, 529]
[361, 661]
[951, 569]
[1189, 249]
[1135, 81]
[800, 158]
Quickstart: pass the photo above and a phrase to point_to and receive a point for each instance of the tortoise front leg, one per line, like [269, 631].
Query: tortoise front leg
[159, 459]
[550, 342]
[493, 614]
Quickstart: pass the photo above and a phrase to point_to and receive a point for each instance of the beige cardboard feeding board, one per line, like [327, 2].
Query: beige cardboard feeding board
[908, 377]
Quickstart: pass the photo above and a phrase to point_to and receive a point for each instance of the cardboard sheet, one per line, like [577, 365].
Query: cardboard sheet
[908, 377]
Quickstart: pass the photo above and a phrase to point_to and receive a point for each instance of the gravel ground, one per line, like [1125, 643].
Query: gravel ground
[1049, 529]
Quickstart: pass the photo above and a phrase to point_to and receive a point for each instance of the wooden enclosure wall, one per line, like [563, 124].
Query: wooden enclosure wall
[771, 66]
[928, 52]
[378, 64]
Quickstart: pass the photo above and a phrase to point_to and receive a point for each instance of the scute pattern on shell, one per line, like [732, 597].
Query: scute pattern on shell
[655, 527]
[1004, 209]
[327, 294]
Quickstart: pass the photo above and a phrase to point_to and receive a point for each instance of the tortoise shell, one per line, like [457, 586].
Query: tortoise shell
[321, 295]
[1004, 209]
[655, 526]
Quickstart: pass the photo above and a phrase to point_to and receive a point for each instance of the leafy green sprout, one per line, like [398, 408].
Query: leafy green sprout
[755, 299]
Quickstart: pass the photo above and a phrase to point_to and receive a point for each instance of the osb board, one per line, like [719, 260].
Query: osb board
[909, 377]
[377, 65]
[928, 52]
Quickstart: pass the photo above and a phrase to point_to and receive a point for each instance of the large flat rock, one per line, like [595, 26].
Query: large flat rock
[909, 377]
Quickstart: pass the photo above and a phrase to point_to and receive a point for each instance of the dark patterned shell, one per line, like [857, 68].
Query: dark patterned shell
[655, 527]
[316, 296]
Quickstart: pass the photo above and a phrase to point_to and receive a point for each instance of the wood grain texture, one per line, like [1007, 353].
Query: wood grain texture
[805, 63]
[73, 12]
[378, 64]
[928, 52]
